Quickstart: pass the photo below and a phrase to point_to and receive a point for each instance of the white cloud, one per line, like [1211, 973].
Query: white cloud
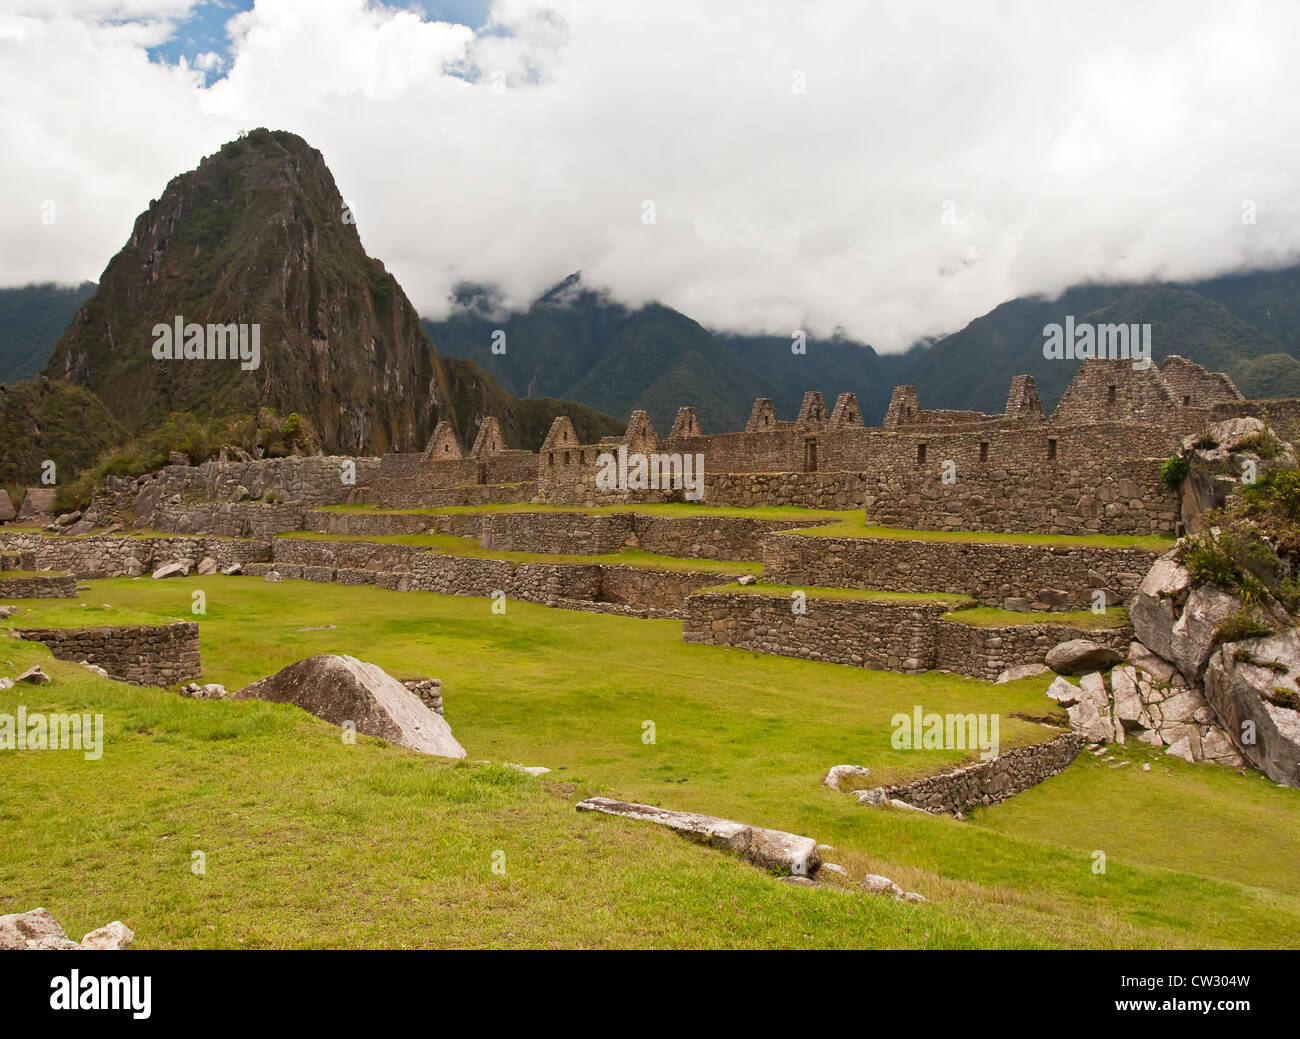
[1073, 141]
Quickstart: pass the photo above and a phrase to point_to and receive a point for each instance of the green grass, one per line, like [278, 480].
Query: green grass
[785, 591]
[854, 525]
[764, 512]
[6, 575]
[302, 832]
[454, 545]
[991, 617]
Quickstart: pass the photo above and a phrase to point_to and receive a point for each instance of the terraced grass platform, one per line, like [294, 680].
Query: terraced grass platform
[302, 831]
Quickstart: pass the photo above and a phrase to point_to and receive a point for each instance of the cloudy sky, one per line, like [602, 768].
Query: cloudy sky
[894, 169]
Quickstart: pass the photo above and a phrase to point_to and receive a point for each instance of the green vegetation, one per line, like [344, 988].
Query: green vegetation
[1173, 472]
[454, 545]
[673, 509]
[198, 438]
[31, 320]
[1251, 546]
[785, 591]
[48, 420]
[854, 525]
[300, 830]
[990, 617]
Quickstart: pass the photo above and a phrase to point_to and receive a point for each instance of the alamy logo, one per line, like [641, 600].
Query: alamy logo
[641, 472]
[195, 342]
[36, 731]
[918, 731]
[93, 993]
[1075, 342]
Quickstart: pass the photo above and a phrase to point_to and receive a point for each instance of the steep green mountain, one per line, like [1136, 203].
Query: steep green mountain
[258, 235]
[31, 320]
[45, 420]
[576, 344]
[830, 366]
[972, 368]
[524, 422]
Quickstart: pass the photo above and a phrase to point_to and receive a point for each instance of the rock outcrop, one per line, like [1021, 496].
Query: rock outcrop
[1252, 687]
[342, 689]
[1078, 656]
[37, 929]
[1204, 698]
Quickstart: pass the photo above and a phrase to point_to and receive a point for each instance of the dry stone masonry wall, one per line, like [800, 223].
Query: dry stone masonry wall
[161, 655]
[886, 635]
[1008, 576]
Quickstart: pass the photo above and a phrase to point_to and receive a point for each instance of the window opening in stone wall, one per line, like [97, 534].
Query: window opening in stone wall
[920, 454]
[1051, 449]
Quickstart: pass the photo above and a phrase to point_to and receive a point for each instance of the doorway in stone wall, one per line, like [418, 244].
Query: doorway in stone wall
[810, 455]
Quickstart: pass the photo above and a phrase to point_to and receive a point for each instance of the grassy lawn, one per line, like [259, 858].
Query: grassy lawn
[312, 842]
[991, 617]
[454, 545]
[854, 525]
[763, 512]
[784, 591]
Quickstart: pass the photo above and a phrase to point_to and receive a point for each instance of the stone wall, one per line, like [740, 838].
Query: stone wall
[160, 655]
[1283, 415]
[1015, 577]
[985, 652]
[367, 524]
[315, 480]
[228, 519]
[1023, 495]
[886, 636]
[821, 490]
[39, 586]
[699, 536]
[353, 555]
[988, 782]
[597, 586]
[108, 555]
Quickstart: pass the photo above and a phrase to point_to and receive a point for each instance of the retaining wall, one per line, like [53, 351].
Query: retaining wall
[887, 636]
[1014, 577]
[988, 782]
[160, 655]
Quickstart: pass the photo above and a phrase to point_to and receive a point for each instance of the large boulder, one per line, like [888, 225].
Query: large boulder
[36, 929]
[1193, 635]
[342, 689]
[172, 570]
[1252, 687]
[1215, 458]
[1080, 655]
[1159, 603]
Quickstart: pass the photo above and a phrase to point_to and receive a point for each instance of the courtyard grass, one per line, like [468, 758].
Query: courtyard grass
[992, 617]
[311, 842]
[854, 525]
[671, 509]
[785, 591]
[455, 545]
